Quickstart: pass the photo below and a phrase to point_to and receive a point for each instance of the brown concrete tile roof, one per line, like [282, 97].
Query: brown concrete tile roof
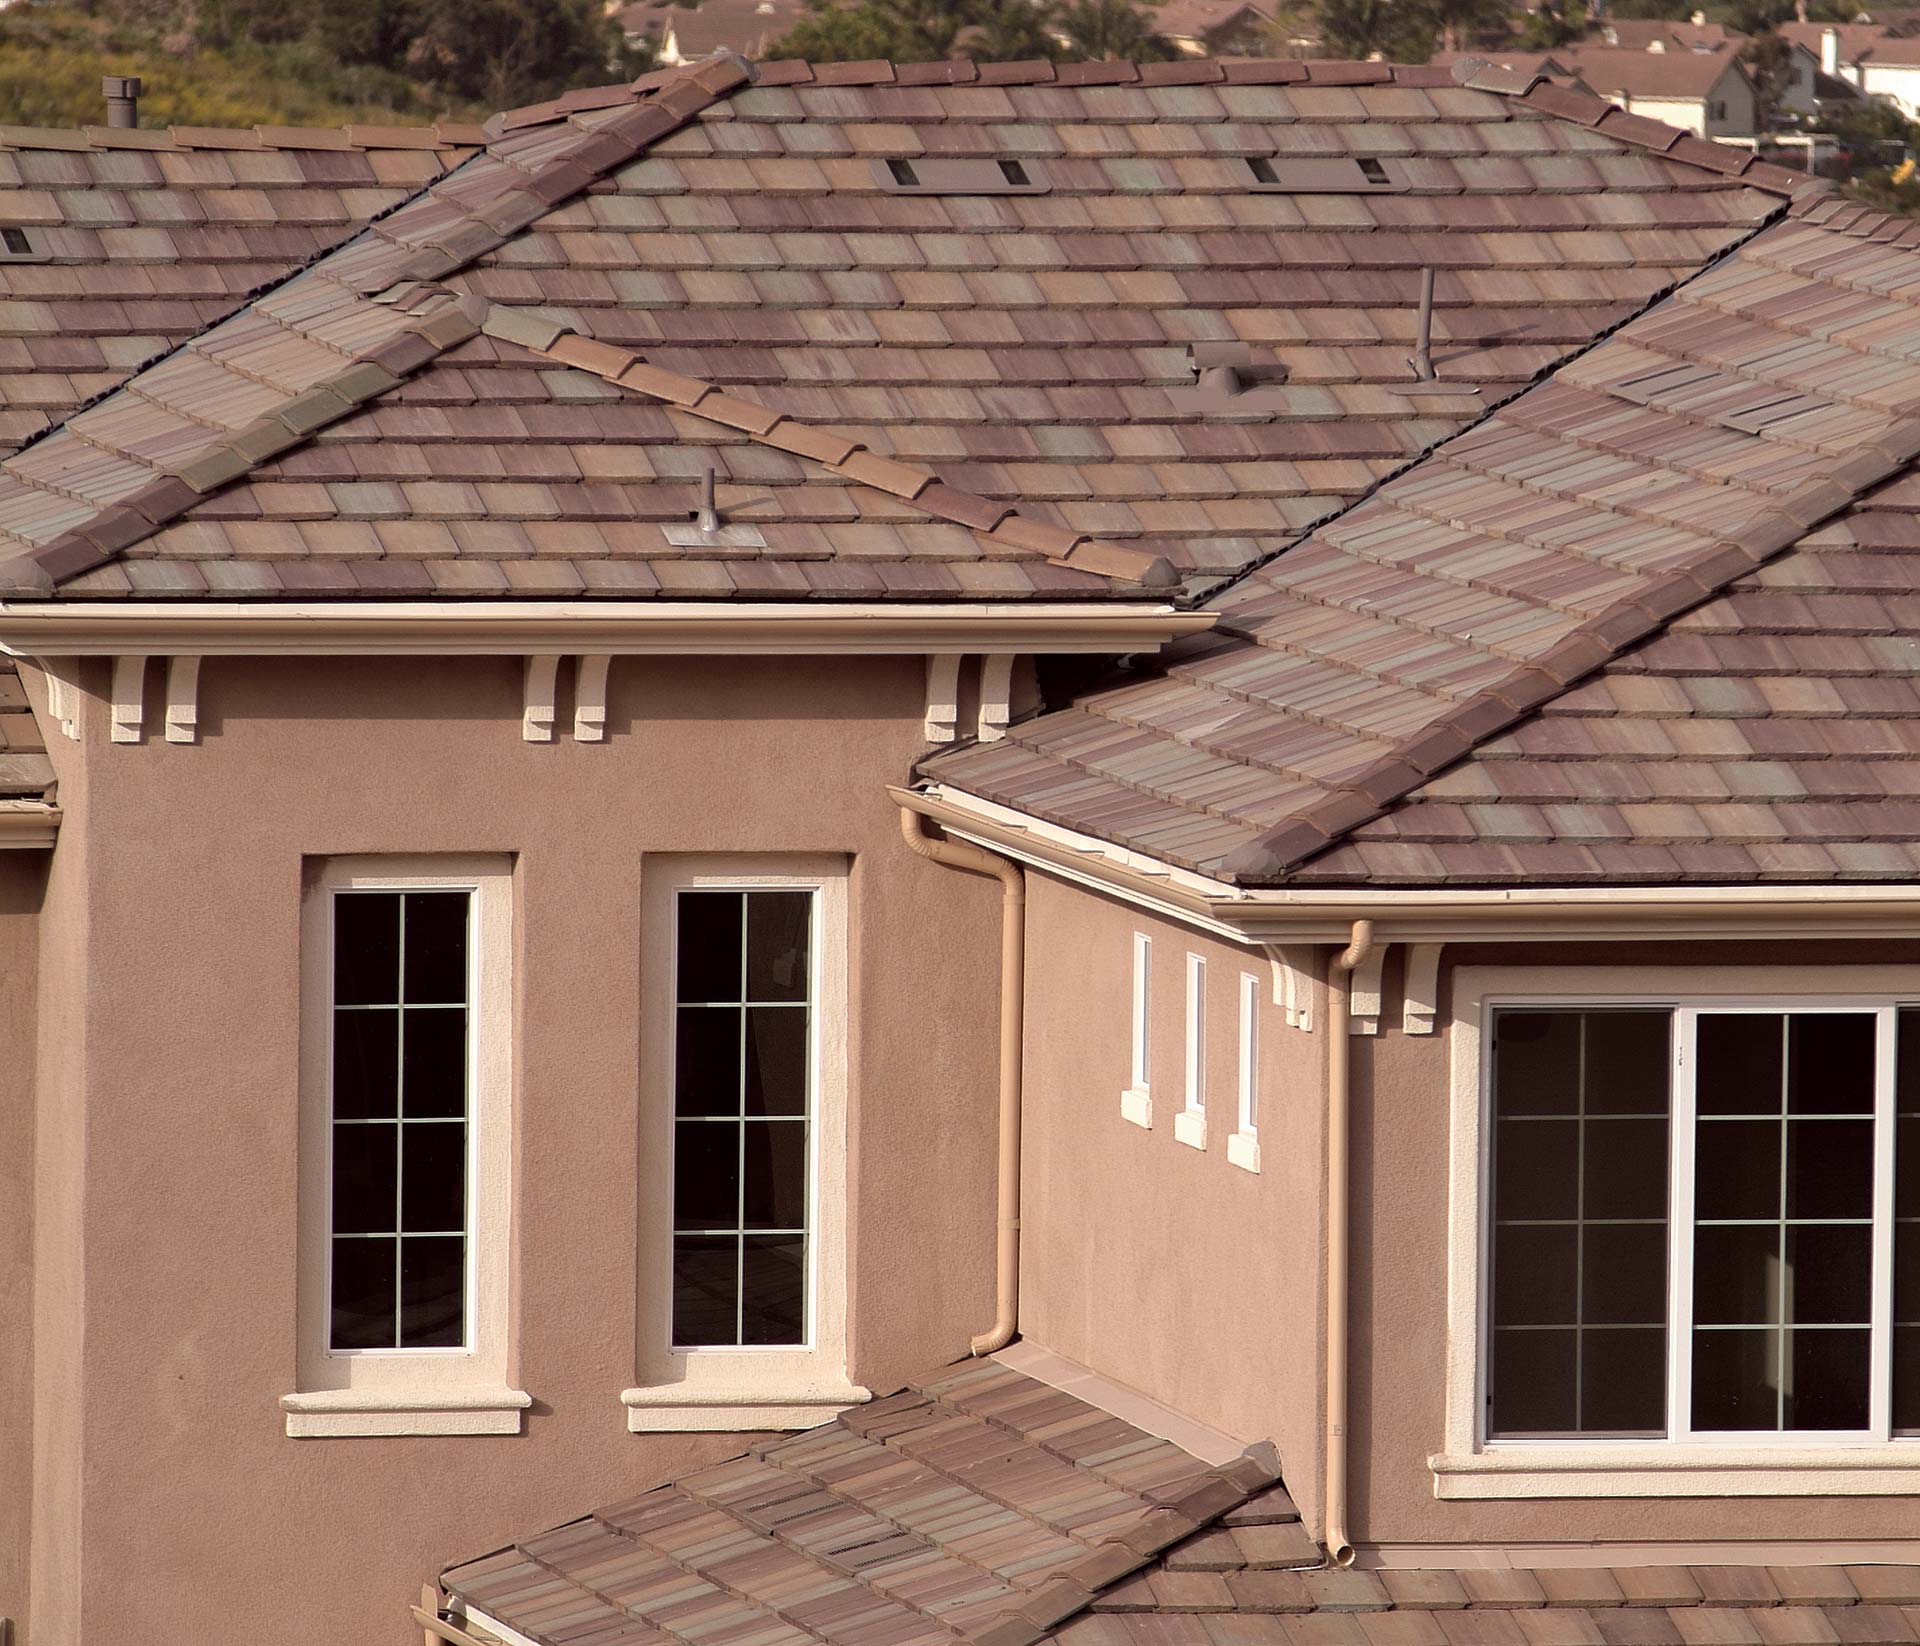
[979, 1506]
[1711, 507]
[983, 1508]
[1029, 351]
[153, 234]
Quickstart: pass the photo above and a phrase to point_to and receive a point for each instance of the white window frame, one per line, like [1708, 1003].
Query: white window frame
[1136, 1098]
[410, 1391]
[1688, 1464]
[1190, 1124]
[729, 1387]
[1243, 1143]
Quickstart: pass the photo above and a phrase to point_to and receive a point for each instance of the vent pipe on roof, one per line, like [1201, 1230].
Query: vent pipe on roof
[1422, 361]
[122, 92]
[1830, 52]
[708, 519]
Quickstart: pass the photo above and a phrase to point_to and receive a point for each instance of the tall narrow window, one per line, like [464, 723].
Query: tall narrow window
[402, 998]
[743, 1079]
[1243, 1142]
[1136, 1102]
[1906, 1227]
[406, 1133]
[1581, 1112]
[1190, 1124]
[1783, 1220]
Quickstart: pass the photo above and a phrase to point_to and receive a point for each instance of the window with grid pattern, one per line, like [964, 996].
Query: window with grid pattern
[398, 1088]
[1705, 1220]
[743, 1086]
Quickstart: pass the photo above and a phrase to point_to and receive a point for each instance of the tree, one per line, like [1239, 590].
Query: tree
[1458, 24]
[1110, 30]
[1555, 23]
[1361, 29]
[1009, 31]
[905, 31]
[1768, 60]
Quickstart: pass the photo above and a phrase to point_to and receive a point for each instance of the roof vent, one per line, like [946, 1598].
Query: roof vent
[1317, 174]
[18, 245]
[942, 175]
[122, 92]
[1225, 379]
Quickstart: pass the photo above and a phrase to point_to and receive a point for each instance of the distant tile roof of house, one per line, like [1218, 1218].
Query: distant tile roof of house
[1856, 39]
[1659, 488]
[149, 235]
[1647, 33]
[1195, 19]
[1672, 76]
[906, 395]
[749, 27]
[991, 1509]
[978, 1508]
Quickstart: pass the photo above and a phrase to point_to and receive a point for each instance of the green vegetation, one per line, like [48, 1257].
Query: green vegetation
[288, 62]
[988, 31]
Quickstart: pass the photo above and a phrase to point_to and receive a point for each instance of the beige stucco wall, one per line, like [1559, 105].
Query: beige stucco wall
[1162, 1267]
[177, 1508]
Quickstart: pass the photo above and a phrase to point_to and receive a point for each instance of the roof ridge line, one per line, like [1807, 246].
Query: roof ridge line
[173, 139]
[840, 454]
[1491, 711]
[406, 275]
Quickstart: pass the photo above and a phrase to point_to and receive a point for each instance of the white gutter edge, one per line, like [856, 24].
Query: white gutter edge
[75, 628]
[1430, 915]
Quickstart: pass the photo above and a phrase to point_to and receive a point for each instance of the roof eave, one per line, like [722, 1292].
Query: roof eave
[496, 628]
[1416, 914]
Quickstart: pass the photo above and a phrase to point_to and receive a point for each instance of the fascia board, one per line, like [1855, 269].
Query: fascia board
[363, 628]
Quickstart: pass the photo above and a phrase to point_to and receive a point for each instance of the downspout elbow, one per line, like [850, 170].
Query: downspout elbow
[1339, 989]
[1013, 948]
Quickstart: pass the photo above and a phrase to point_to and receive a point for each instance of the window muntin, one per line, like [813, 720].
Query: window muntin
[743, 1104]
[402, 981]
[1782, 1275]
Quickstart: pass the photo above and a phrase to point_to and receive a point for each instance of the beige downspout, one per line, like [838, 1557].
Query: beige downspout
[1013, 956]
[1339, 991]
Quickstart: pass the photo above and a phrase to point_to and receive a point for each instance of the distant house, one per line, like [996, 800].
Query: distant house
[684, 34]
[1190, 24]
[1704, 92]
[1869, 56]
[1658, 34]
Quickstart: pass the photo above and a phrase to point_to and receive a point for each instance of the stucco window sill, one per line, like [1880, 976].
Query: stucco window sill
[1136, 1105]
[1675, 1471]
[672, 1407]
[1190, 1128]
[1243, 1150]
[350, 1412]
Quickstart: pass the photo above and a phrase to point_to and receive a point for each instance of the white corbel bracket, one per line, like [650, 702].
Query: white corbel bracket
[183, 699]
[1293, 973]
[1363, 998]
[129, 699]
[943, 696]
[1422, 988]
[542, 682]
[996, 695]
[590, 699]
[63, 694]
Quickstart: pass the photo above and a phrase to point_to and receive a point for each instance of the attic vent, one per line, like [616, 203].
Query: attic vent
[939, 175]
[19, 245]
[1319, 175]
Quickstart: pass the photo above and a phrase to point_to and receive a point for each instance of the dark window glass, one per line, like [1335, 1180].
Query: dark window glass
[366, 948]
[1581, 1105]
[364, 1275]
[399, 1088]
[742, 1105]
[366, 1064]
[706, 1289]
[773, 1285]
[1782, 1279]
[432, 1283]
[709, 963]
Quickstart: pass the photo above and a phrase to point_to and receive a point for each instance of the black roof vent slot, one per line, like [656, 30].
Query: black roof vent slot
[1322, 174]
[943, 174]
[21, 245]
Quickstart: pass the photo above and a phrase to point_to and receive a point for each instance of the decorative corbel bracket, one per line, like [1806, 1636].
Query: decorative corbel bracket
[590, 699]
[1422, 988]
[1293, 974]
[943, 696]
[542, 682]
[1363, 999]
[129, 699]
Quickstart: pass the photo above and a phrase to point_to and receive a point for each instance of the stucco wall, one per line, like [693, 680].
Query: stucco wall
[198, 1519]
[1400, 1151]
[1157, 1265]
